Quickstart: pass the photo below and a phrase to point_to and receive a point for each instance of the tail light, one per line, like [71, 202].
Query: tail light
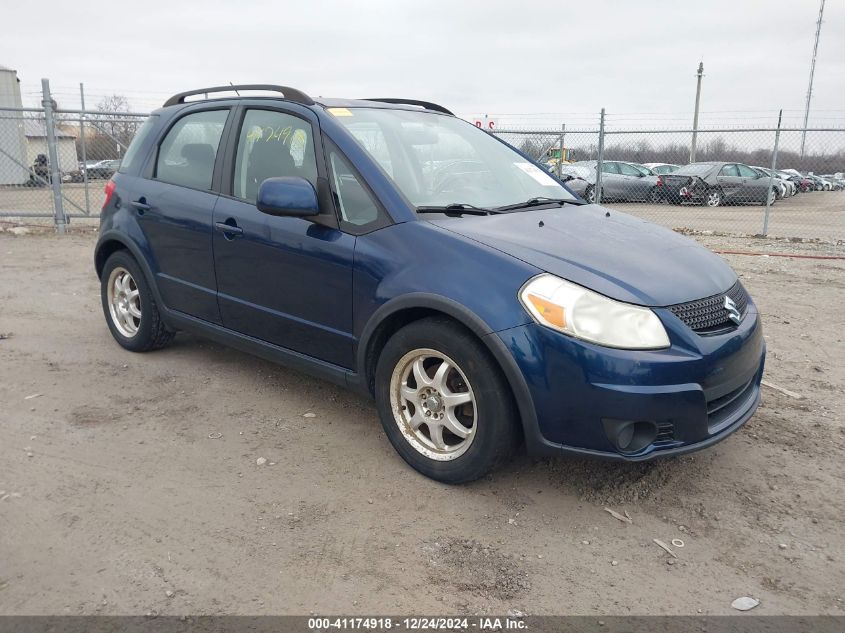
[109, 189]
[660, 181]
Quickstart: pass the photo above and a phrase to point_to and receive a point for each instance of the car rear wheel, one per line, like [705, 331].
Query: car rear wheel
[443, 402]
[654, 195]
[129, 307]
[713, 198]
[590, 194]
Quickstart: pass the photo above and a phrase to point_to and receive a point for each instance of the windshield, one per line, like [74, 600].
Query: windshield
[438, 160]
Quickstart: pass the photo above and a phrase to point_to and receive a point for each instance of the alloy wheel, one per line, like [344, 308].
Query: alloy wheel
[714, 198]
[433, 404]
[124, 302]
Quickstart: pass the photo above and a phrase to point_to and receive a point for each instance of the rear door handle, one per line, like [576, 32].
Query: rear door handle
[140, 205]
[231, 229]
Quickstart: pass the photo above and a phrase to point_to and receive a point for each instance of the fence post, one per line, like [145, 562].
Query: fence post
[83, 148]
[772, 177]
[560, 160]
[55, 172]
[600, 158]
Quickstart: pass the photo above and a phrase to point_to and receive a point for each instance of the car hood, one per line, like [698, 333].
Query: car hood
[618, 255]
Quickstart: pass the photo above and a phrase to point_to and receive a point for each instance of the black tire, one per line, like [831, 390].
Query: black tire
[590, 194]
[152, 333]
[496, 431]
[654, 196]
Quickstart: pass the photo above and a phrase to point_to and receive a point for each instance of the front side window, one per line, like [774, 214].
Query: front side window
[187, 154]
[437, 160]
[609, 167]
[272, 144]
[630, 170]
[746, 172]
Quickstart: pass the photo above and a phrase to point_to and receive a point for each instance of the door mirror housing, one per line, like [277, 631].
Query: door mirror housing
[288, 196]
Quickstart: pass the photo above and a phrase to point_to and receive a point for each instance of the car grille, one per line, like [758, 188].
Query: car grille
[708, 316]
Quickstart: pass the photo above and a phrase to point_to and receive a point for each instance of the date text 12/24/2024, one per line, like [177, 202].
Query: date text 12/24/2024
[416, 624]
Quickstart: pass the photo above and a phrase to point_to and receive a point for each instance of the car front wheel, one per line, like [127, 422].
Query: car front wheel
[443, 402]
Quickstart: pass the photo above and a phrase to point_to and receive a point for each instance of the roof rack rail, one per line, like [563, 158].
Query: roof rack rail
[291, 94]
[428, 105]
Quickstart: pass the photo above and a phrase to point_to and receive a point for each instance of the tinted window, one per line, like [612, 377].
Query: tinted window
[138, 140]
[186, 155]
[272, 144]
[729, 170]
[354, 202]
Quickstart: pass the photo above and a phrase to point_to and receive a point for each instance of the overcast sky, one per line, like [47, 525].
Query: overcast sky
[515, 58]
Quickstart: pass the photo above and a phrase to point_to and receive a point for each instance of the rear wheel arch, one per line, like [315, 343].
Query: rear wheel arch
[104, 251]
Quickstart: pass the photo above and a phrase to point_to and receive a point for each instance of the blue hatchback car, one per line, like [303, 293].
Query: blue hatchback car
[388, 246]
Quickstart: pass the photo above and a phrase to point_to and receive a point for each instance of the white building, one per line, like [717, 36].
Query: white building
[14, 160]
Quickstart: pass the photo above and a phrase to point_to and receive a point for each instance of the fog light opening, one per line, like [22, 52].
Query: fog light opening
[629, 436]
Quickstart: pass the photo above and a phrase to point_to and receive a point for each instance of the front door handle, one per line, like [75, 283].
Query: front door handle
[229, 229]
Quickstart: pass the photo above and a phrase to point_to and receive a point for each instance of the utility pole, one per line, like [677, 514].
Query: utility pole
[700, 74]
[812, 71]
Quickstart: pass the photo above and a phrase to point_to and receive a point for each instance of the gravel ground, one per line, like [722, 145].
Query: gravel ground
[129, 483]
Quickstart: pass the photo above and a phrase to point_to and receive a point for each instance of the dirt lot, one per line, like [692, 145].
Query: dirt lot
[117, 499]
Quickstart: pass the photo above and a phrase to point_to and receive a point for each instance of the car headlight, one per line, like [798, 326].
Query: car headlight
[576, 311]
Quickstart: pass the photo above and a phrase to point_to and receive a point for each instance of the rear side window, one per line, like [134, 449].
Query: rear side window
[272, 144]
[186, 155]
[609, 168]
[729, 170]
[137, 141]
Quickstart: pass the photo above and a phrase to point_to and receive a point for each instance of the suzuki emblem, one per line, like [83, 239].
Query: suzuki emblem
[733, 313]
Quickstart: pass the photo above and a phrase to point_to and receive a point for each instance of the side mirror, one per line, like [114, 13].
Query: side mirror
[288, 196]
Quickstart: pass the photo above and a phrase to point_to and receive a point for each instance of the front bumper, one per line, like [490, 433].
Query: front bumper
[696, 392]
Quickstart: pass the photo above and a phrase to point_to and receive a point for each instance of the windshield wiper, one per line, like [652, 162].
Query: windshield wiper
[459, 208]
[535, 202]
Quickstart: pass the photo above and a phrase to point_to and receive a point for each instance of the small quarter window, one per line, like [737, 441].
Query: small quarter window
[187, 154]
[358, 210]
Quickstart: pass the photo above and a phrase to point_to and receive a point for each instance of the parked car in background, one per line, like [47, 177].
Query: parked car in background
[819, 184]
[626, 182]
[786, 188]
[803, 183]
[661, 168]
[580, 179]
[838, 183]
[718, 183]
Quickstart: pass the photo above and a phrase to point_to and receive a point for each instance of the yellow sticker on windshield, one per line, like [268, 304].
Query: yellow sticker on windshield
[340, 111]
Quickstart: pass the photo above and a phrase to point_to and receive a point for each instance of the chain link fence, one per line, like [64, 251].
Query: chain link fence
[736, 181]
[54, 163]
[763, 181]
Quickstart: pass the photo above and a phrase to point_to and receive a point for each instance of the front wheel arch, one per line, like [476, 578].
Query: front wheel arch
[399, 312]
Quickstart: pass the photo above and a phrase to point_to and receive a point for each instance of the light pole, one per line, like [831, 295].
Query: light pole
[812, 71]
[700, 74]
